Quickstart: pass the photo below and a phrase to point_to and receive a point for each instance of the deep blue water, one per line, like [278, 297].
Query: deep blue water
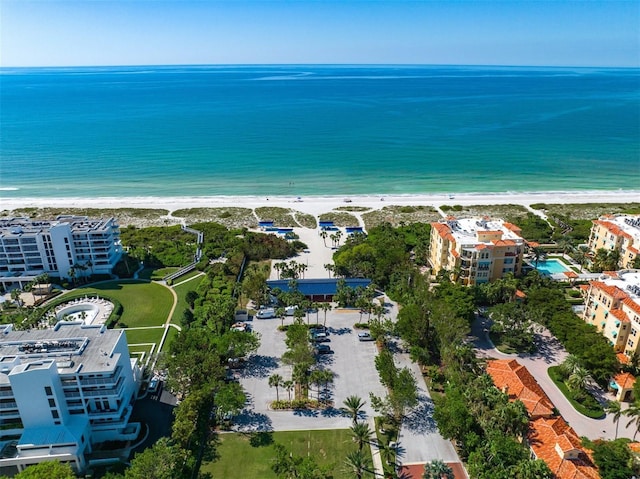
[316, 130]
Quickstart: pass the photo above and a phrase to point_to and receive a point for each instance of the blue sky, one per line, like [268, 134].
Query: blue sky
[137, 32]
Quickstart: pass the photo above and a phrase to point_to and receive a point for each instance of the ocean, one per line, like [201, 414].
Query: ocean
[316, 130]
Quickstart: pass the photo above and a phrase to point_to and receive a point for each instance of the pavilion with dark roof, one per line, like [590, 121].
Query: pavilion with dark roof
[318, 289]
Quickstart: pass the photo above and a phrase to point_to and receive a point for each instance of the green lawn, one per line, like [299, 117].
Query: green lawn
[242, 455]
[171, 335]
[187, 276]
[143, 304]
[156, 274]
[595, 412]
[181, 291]
[137, 336]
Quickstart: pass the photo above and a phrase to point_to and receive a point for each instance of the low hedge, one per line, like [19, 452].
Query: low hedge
[592, 409]
[284, 404]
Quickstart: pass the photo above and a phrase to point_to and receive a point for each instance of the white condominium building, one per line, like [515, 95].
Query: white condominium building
[63, 391]
[476, 250]
[29, 248]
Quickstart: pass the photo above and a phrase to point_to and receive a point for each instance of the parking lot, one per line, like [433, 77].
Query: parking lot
[352, 363]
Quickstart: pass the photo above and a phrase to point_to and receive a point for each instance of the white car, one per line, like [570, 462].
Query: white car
[365, 337]
[290, 310]
[266, 313]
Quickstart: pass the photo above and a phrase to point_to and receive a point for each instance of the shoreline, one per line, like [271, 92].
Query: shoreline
[321, 204]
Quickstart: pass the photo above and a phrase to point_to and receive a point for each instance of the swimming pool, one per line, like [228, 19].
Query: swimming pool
[550, 266]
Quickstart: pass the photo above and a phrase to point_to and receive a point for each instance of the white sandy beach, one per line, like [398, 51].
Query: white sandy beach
[317, 205]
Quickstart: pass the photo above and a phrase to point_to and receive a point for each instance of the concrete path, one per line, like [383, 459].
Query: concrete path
[551, 353]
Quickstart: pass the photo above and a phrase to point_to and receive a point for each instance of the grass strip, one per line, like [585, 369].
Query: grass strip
[554, 374]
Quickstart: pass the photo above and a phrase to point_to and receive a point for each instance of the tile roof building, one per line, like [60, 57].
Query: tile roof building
[550, 438]
[482, 250]
[29, 248]
[621, 232]
[63, 392]
[612, 305]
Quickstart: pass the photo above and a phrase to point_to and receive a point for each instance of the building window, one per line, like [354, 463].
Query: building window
[52, 402]
[47, 390]
[55, 414]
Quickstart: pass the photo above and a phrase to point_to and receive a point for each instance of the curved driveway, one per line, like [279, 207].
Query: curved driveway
[551, 353]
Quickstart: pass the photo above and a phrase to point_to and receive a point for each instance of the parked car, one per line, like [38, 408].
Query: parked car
[290, 310]
[243, 327]
[323, 349]
[266, 313]
[365, 337]
[153, 385]
[320, 337]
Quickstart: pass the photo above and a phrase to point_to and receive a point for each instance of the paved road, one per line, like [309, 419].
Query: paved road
[419, 440]
[352, 364]
[551, 353]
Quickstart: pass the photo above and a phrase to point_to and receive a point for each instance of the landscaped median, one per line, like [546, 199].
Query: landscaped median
[588, 407]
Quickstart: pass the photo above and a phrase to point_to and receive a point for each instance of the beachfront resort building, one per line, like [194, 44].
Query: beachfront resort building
[63, 392]
[550, 438]
[476, 250]
[612, 305]
[619, 232]
[66, 246]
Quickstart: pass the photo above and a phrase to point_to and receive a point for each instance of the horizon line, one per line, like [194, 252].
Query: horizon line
[494, 65]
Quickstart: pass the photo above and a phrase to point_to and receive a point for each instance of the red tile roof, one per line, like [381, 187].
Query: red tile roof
[621, 315]
[513, 378]
[612, 291]
[520, 294]
[549, 438]
[502, 242]
[622, 358]
[624, 380]
[628, 301]
[512, 227]
[612, 228]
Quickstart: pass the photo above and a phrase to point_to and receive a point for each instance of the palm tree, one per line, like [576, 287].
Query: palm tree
[317, 377]
[288, 386]
[275, 381]
[358, 463]
[280, 313]
[329, 267]
[278, 268]
[578, 379]
[570, 365]
[437, 469]
[323, 235]
[362, 434]
[353, 407]
[634, 413]
[327, 377]
[614, 408]
[325, 307]
[15, 296]
[539, 254]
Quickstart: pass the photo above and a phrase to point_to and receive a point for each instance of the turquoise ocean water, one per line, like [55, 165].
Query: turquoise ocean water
[316, 130]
